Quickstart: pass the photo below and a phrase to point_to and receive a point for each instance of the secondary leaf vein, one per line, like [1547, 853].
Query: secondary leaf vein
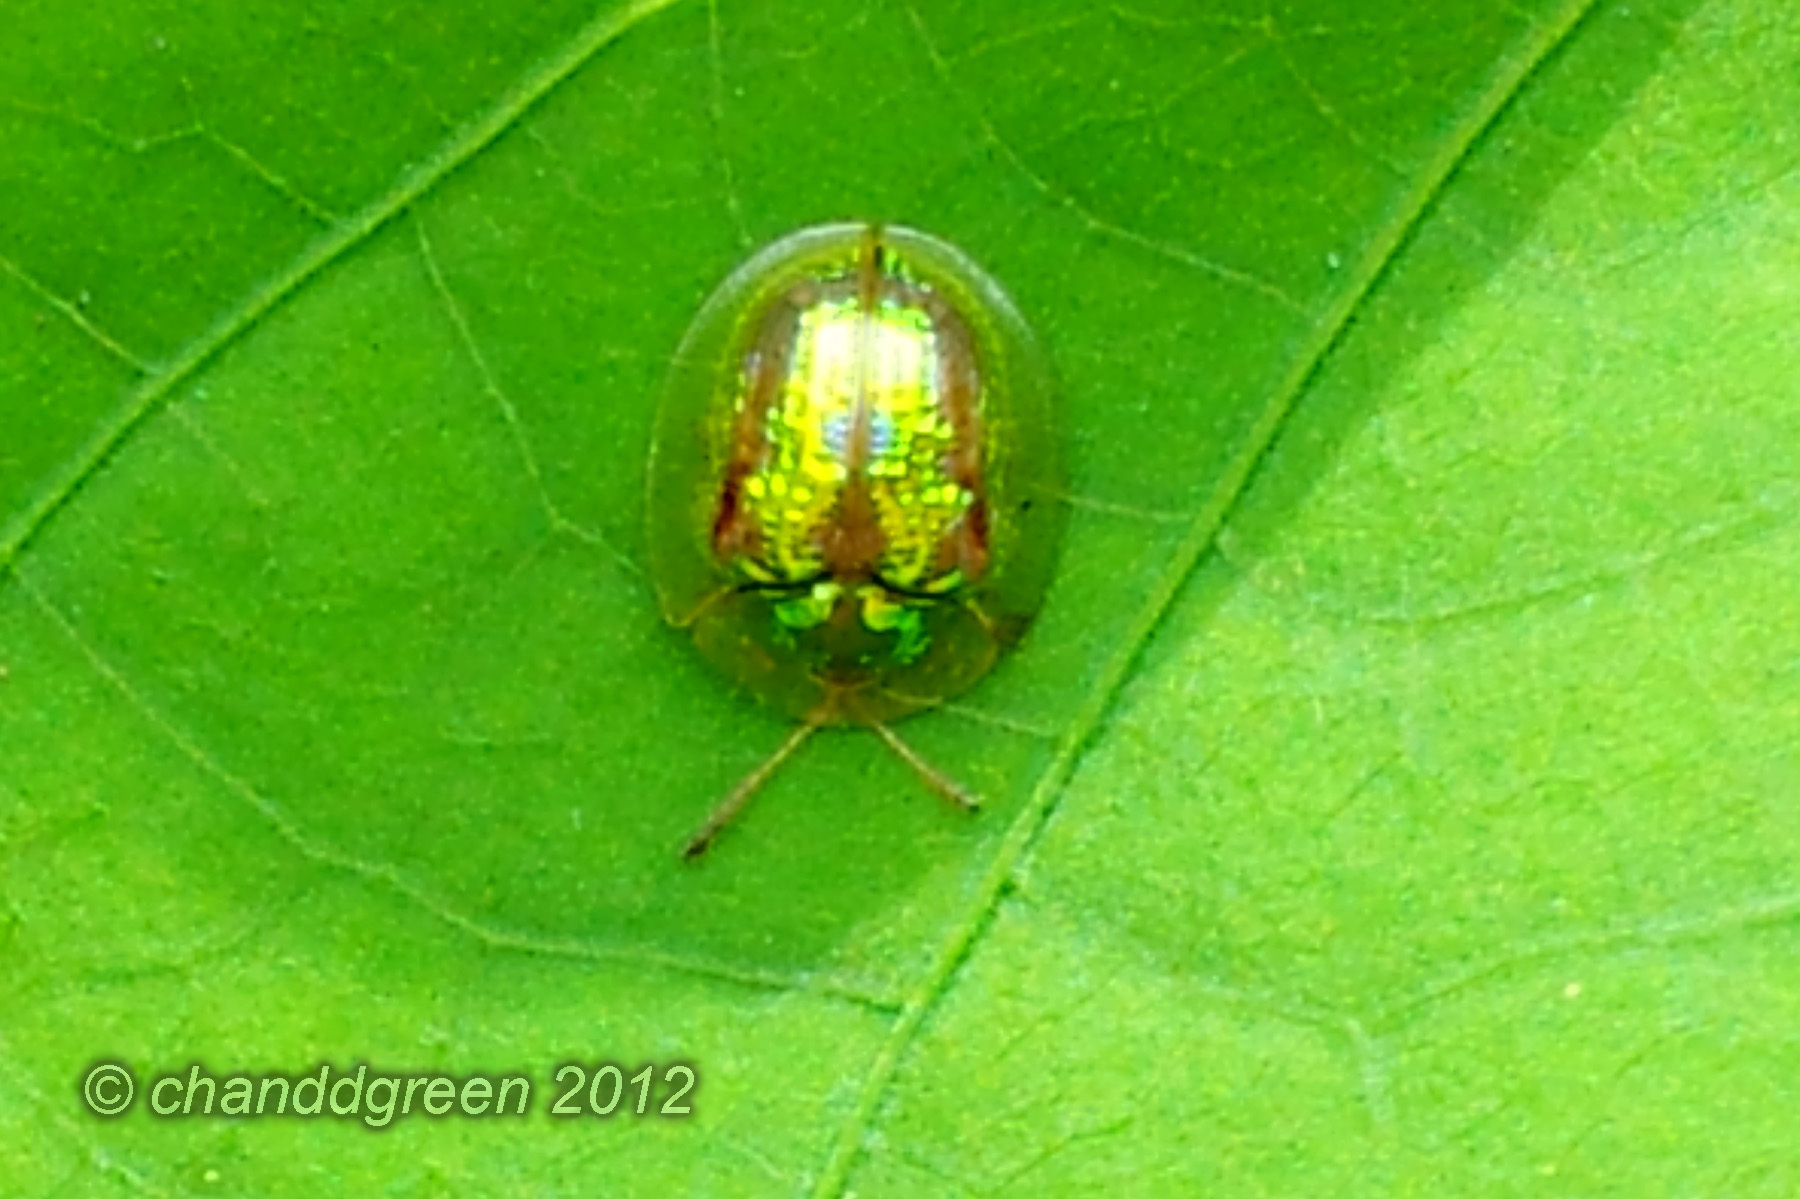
[463, 146]
[1091, 219]
[490, 383]
[71, 312]
[318, 850]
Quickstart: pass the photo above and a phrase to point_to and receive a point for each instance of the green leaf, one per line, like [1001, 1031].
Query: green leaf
[1395, 797]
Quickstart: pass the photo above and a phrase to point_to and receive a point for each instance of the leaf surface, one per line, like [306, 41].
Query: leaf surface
[1394, 797]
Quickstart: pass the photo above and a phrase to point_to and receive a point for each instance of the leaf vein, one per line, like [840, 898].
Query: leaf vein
[1781, 908]
[316, 212]
[491, 936]
[1326, 110]
[1062, 199]
[490, 383]
[462, 147]
[71, 312]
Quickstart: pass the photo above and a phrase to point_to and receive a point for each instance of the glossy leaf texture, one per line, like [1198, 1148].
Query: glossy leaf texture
[1397, 794]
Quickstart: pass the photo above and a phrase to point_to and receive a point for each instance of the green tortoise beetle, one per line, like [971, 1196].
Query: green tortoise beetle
[855, 484]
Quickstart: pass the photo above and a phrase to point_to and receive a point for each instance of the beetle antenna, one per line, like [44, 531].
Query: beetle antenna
[934, 778]
[747, 787]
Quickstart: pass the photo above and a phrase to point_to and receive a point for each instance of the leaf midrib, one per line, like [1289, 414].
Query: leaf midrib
[1510, 78]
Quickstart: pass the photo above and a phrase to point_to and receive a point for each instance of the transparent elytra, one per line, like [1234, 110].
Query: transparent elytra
[855, 484]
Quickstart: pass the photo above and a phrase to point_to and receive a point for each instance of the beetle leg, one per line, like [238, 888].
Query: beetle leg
[934, 778]
[699, 609]
[1002, 630]
[749, 785]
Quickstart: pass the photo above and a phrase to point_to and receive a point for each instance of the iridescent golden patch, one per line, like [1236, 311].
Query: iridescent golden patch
[856, 442]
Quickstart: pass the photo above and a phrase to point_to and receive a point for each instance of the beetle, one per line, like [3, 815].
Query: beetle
[855, 484]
